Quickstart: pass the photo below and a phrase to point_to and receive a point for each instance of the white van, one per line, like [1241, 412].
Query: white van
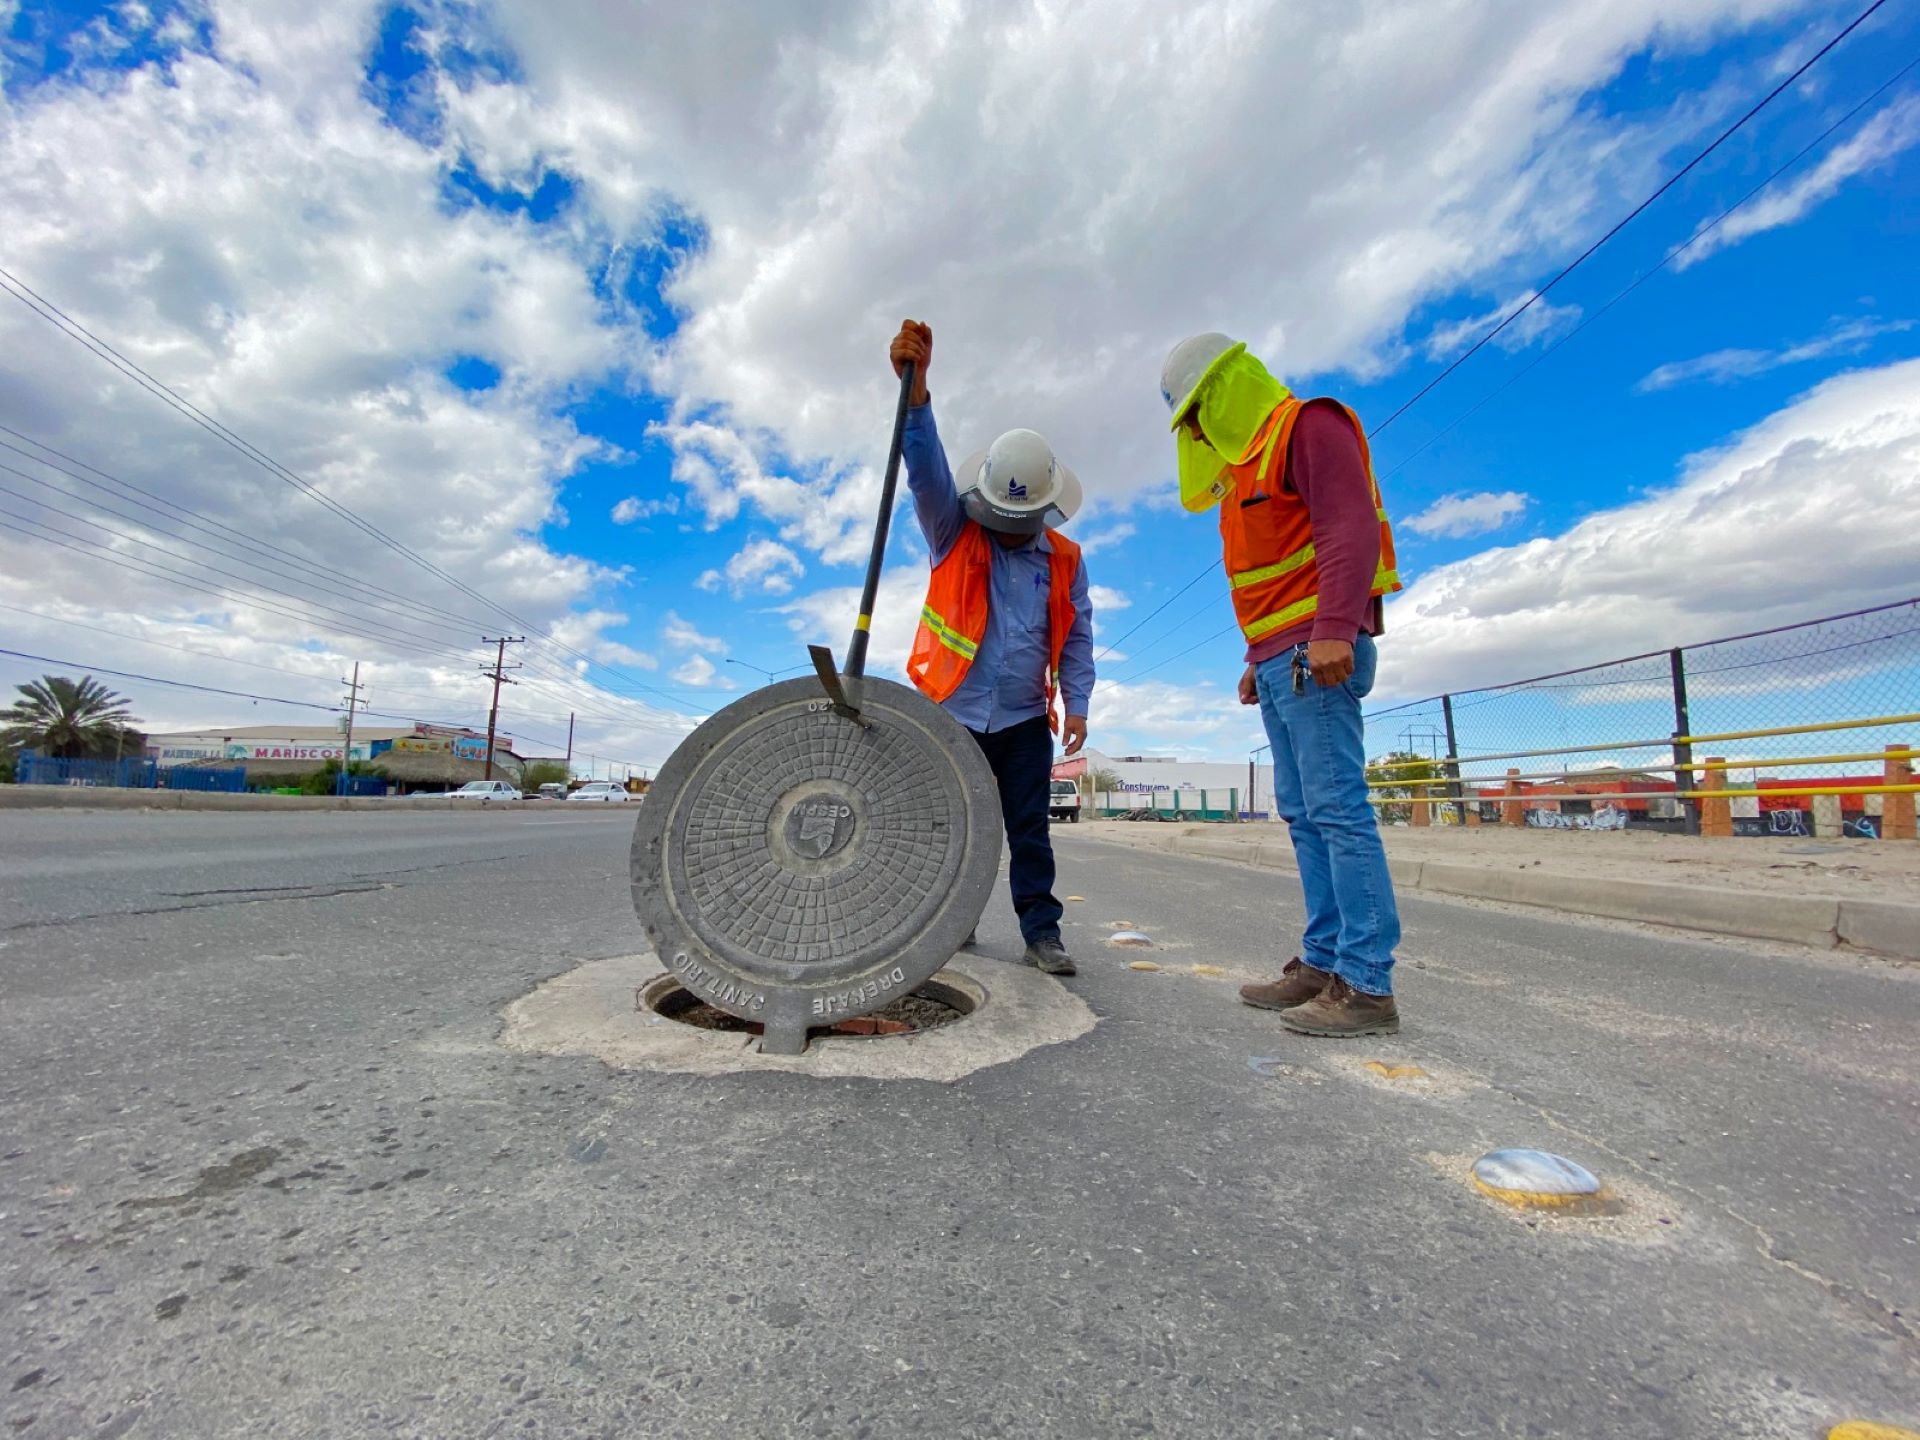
[1063, 801]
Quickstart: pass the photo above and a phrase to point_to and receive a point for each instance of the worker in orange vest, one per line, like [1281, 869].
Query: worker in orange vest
[1308, 554]
[1006, 633]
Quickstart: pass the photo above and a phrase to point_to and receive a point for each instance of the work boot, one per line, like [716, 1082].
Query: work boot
[1340, 1011]
[1049, 956]
[1299, 982]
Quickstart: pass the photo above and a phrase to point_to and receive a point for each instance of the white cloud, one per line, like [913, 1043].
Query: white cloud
[1161, 717]
[825, 617]
[1890, 132]
[700, 672]
[1475, 514]
[762, 564]
[1723, 366]
[684, 635]
[1115, 534]
[1543, 320]
[1010, 178]
[634, 508]
[1834, 475]
[243, 222]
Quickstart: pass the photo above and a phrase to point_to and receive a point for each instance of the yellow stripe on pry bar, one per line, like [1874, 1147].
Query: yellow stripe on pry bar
[863, 622]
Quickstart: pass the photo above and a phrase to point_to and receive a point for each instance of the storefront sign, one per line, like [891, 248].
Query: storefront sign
[317, 754]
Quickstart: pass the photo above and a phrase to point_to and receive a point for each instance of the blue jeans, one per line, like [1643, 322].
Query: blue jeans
[1320, 788]
[1021, 757]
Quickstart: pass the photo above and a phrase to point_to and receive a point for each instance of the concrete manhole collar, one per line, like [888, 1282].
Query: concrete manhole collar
[946, 999]
[600, 1009]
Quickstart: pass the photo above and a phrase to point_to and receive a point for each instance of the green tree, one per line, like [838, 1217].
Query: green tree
[1404, 769]
[70, 720]
[1105, 782]
[542, 772]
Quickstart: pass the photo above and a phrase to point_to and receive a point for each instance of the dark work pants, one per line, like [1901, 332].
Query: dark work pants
[1021, 757]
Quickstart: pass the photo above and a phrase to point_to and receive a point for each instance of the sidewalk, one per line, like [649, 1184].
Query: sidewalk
[1857, 893]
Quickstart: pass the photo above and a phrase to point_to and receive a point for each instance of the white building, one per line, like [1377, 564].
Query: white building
[1164, 783]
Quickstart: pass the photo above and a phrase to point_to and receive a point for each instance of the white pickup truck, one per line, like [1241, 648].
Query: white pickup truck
[1064, 801]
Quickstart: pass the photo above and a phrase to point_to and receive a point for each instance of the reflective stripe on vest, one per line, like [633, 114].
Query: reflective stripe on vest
[1266, 533]
[946, 634]
[953, 620]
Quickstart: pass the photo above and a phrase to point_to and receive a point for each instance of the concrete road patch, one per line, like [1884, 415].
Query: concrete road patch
[592, 1011]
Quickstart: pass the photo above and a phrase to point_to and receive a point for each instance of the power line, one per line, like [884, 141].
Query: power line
[174, 554]
[272, 699]
[200, 521]
[164, 573]
[1114, 645]
[1671, 255]
[158, 644]
[1178, 655]
[1675, 253]
[75, 331]
[426, 614]
[1671, 181]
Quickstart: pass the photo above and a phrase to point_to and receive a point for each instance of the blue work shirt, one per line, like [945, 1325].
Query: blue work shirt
[1007, 683]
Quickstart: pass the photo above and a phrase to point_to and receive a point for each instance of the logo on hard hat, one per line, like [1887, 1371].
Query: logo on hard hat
[1016, 491]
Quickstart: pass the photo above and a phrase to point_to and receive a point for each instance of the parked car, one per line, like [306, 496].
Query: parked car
[1064, 801]
[485, 791]
[552, 790]
[606, 792]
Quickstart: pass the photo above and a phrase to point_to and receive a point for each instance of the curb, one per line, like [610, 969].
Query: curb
[1885, 927]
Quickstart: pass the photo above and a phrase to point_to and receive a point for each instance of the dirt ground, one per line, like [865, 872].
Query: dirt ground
[1882, 869]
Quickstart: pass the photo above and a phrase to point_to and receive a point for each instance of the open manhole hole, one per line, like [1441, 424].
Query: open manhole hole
[943, 1000]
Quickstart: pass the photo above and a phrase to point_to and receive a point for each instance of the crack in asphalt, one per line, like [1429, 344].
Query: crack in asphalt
[263, 896]
[443, 865]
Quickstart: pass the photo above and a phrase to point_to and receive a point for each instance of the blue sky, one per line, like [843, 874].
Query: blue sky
[679, 298]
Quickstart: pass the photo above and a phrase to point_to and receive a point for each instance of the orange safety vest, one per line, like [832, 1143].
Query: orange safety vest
[1267, 535]
[953, 621]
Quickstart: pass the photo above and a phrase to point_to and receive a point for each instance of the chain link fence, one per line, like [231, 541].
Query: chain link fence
[1778, 713]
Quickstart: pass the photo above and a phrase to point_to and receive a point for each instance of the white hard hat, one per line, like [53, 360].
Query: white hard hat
[1016, 486]
[1188, 365]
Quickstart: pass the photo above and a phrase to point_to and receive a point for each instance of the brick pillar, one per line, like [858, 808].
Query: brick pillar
[1473, 811]
[1716, 815]
[1896, 811]
[1510, 810]
[1828, 818]
[1422, 813]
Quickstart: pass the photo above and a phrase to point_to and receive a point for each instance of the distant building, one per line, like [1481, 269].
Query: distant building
[417, 758]
[1146, 776]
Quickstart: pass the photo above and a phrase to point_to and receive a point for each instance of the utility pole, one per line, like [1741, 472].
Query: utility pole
[499, 674]
[570, 744]
[353, 704]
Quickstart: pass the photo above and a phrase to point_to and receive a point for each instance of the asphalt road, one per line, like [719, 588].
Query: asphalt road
[264, 1171]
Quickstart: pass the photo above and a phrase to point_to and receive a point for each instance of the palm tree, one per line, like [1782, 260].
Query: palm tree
[69, 719]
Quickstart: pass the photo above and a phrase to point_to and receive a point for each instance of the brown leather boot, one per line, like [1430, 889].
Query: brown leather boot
[1341, 1011]
[1299, 982]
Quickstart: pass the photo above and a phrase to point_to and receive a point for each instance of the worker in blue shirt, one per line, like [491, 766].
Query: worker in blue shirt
[1008, 615]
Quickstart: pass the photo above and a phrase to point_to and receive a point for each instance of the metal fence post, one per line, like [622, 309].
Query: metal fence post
[1453, 764]
[1682, 751]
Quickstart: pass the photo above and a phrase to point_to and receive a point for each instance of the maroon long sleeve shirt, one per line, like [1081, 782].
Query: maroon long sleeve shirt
[1326, 470]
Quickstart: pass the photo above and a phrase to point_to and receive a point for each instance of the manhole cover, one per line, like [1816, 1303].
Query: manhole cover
[934, 1004]
[795, 869]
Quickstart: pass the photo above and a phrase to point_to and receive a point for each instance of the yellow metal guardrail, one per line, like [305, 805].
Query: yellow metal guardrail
[1603, 795]
[1574, 777]
[1666, 742]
